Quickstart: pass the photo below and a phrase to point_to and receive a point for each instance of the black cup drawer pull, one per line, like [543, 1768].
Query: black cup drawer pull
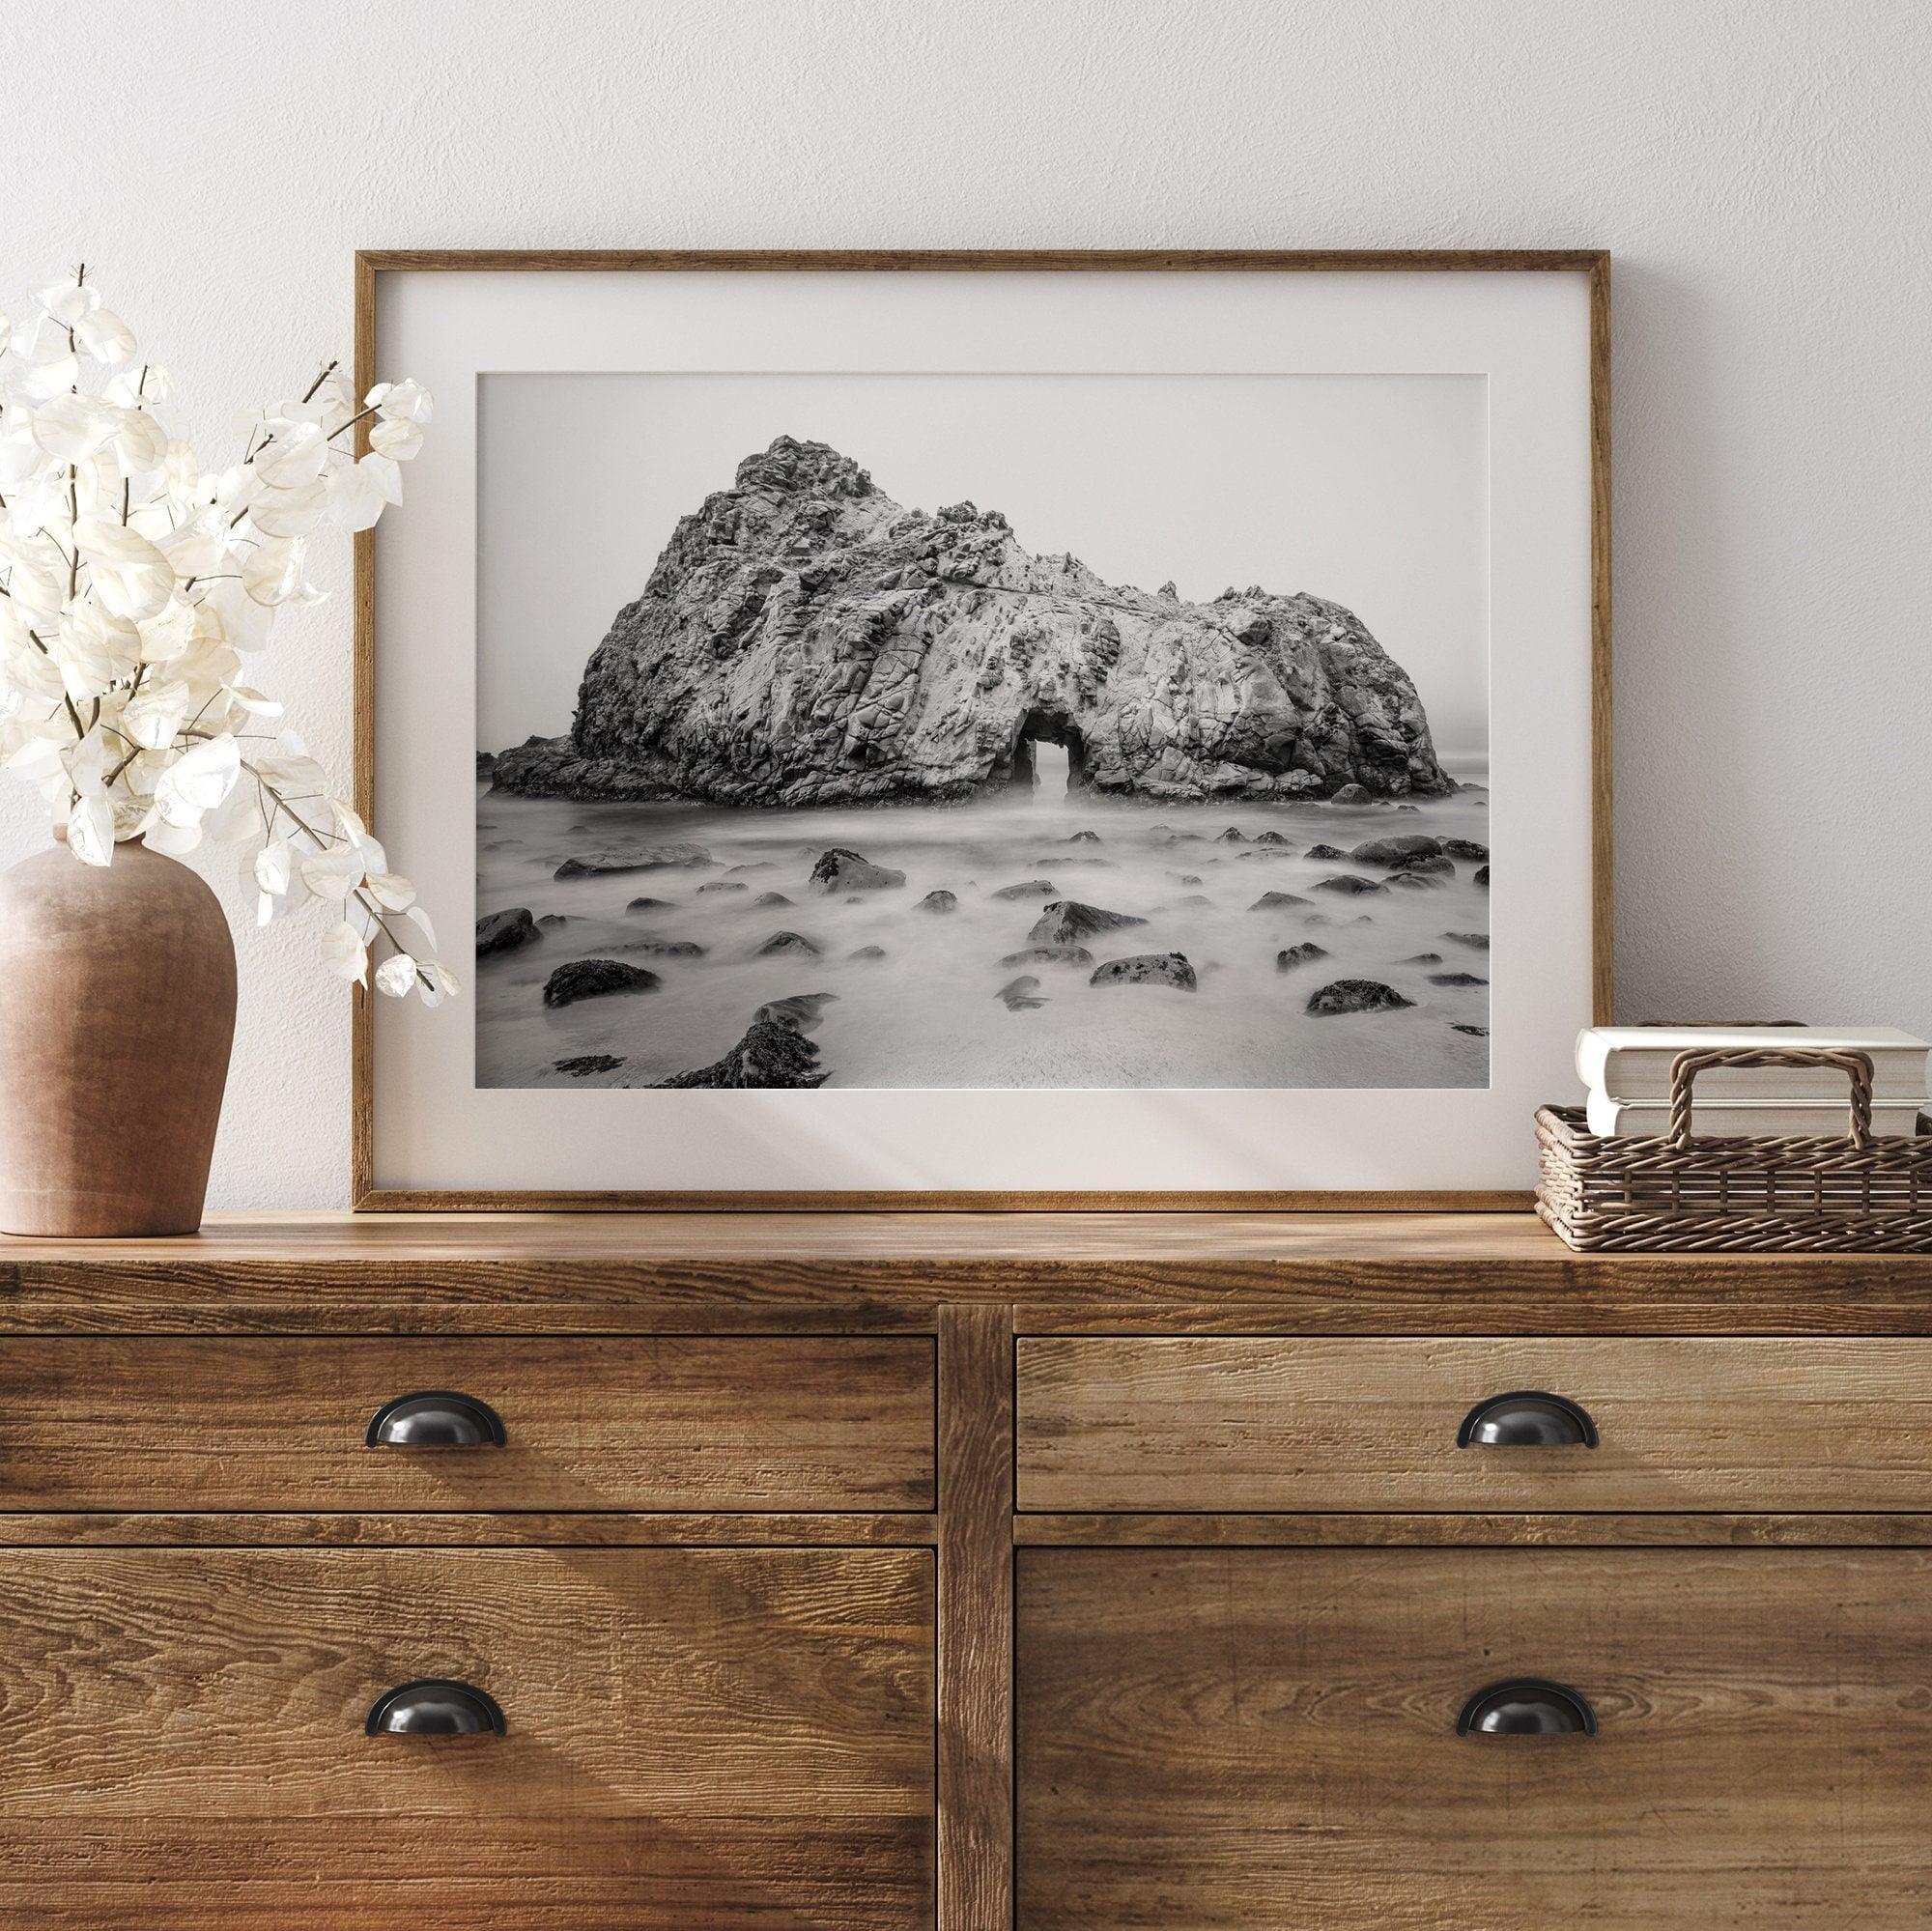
[1526, 1418]
[1527, 1706]
[434, 1706]
[435, 1418]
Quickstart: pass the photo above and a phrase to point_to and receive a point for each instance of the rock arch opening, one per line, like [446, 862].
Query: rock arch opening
[1048, 758]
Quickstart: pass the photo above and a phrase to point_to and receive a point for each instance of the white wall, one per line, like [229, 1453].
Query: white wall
[1762, 172]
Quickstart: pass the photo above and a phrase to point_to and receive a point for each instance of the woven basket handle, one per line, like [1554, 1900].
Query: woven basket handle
[1686, 1066]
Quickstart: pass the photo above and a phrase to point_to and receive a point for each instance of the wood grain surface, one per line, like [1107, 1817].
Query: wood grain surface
[1360, 1273]
[1266, 1739]
[1311, 1422]
[652, 1422]
[730, 1740]
[976, 1620]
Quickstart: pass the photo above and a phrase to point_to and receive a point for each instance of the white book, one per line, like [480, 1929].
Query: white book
[1650, 1118]
[1633, 1061]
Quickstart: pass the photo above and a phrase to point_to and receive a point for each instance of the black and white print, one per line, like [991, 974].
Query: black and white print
[785, 779]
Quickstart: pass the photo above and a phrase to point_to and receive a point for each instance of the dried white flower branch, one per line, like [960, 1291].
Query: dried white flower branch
[133, 584]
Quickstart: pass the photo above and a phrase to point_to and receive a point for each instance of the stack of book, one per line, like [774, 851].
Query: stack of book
[1627, 1070]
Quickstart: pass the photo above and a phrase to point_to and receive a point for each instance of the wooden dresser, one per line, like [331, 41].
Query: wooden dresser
[851, 1574]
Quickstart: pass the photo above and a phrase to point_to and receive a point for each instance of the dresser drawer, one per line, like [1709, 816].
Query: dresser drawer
[1273, 1424]
[634, 1422]
[726, 1739]
[1268, 1740]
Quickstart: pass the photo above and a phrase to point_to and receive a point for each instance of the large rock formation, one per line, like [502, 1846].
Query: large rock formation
[805, 640]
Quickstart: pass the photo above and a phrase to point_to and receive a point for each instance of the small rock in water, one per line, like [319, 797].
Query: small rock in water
[664, 949]
[1147, 969]
[1085, 838]
[1466, 848]
[1483, 877]
[1475, 1032]
[867, 953]
[725, 884]
[752, 864]
[1324, 852]
[1351, 794]
[1018, 995]
[790, 941]
[1395, 850]
[1421, 958]
[1189, 878]
[1413, 881]
[1456, 978]
[505, 931]
[1270, 838]
[1071, 955]
[938, 902]
[649, 905]
[1357, 995]
[840, 870]
[1479, 940]
[552, 921]
[593, 979]
[586, 1064]
[655, 858]
[1424, 865]
[1197, 898]
[767, 899]
[1276, 901]
[803, 1010]
[1233, 835]
[1033, 888]
[1347, 881]
[1294, 956]
[1066, 921]
[770, 1053]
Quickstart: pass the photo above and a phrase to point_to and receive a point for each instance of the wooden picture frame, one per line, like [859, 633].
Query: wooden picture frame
[373, 267]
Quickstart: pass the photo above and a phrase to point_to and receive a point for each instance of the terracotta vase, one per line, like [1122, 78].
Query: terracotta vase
[117, 1010]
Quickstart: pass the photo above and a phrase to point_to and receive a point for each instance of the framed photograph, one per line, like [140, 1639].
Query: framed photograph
[989, 730]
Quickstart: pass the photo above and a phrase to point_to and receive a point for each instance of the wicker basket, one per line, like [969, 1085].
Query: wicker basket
[1836, 1194]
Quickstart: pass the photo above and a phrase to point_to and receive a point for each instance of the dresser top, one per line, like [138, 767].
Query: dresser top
[632, 1272]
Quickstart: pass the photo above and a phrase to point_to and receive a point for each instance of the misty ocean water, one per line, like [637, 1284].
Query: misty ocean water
[929, 1013]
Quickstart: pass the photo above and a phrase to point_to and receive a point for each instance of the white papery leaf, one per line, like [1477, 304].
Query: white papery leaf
[254, 702]
[293, 771]
[388, 472]
[396, 437]
[19, 454]
[349, 821]
[333, 872]
[147, 383]
[236, 488]
[391, 890]
[296, 456]
[73, 427]
[35, 675]
[35, 579]
[195, 547]
[226, 613]
[438, 981]
[275, 866]
[90, 829]
[420, 919]
[105, 337]
[130, 577]
[172, 839]
[272, 571]
[406, 401]
[167, 638]
[155, 713]
[198, 781]
[397, 976]
[140, 442]
[94, 650]
[54, 376]
[69, 301]
[355, 498]
[294, 512]
[343, 952]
